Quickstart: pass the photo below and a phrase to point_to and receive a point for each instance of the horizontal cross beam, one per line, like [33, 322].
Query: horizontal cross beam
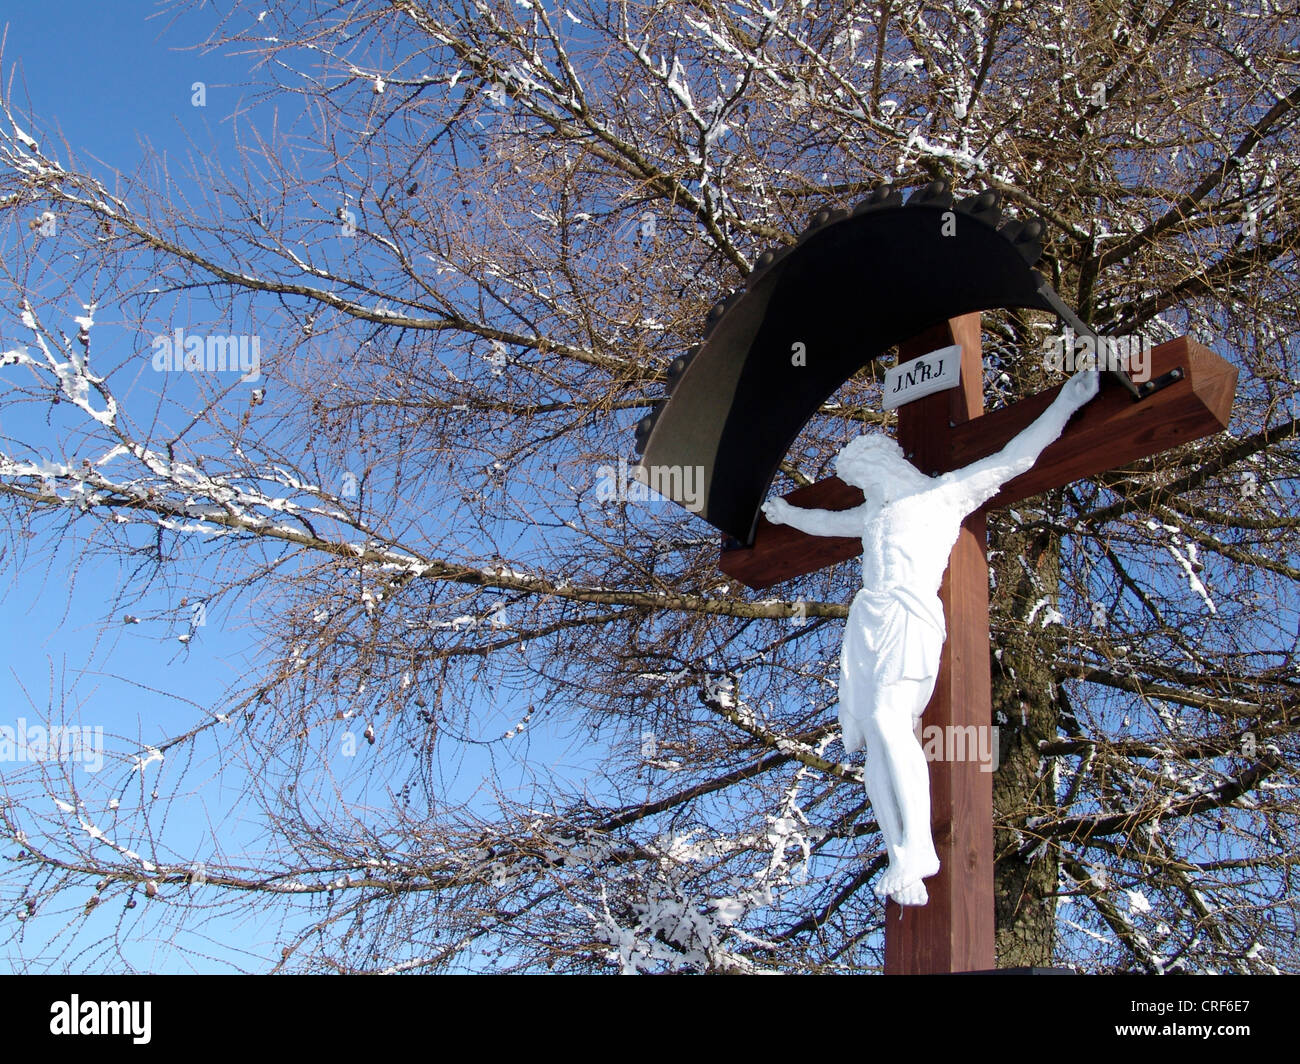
[1111, 431]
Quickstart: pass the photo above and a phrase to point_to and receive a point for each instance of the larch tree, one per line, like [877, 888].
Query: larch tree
[497, 708]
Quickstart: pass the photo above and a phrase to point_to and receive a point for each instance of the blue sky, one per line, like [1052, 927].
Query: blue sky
[114, 80]
[107, 78]
[108, 75]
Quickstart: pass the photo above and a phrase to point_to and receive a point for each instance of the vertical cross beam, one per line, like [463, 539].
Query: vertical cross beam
[954, 932]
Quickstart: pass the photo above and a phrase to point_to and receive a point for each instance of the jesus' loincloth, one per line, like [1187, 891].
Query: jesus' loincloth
[891, 636]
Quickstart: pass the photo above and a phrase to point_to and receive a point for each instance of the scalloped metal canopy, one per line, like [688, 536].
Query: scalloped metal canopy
[851, 288]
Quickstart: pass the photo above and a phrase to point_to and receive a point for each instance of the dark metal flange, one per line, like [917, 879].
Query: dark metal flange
[813, 313]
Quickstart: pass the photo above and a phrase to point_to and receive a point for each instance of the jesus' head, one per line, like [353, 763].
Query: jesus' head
[875, 463]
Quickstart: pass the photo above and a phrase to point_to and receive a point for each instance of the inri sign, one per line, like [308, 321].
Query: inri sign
[922, 376]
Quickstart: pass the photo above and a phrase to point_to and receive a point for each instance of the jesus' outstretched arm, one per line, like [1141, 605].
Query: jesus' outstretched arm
[981, 480]
[815, 522]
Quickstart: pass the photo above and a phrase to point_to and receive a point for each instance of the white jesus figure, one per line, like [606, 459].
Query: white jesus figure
[908, 524]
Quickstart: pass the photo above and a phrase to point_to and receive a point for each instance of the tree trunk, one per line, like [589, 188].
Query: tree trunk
[1025, 710]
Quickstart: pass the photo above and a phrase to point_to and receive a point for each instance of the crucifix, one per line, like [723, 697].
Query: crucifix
[893, 642]
[749, 400]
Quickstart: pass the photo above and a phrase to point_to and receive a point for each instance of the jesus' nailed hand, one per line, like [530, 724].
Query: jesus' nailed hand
[895, 632]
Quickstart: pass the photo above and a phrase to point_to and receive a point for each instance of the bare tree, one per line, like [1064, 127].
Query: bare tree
[467, 258]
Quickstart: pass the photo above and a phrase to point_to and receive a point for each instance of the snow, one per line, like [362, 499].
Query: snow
[895, 631]
[141, 763]
[24, 138]
[673, 925]
[729, 910]
[1051, 615]
[1189, 561]
[73, 377]
[722, 691]
[918, 145]
[678, 87]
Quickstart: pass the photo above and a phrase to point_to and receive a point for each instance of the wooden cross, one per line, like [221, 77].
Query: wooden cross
[947, 430]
